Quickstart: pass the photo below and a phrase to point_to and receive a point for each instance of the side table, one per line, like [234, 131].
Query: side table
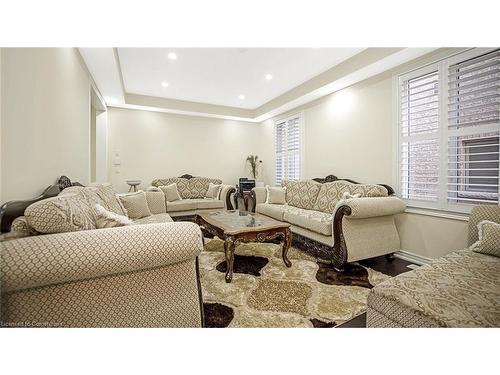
[133, 184]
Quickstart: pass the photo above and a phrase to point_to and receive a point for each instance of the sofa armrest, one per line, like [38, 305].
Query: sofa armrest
[259, 194]
[363, 208]
[226, 194]
[67, 257]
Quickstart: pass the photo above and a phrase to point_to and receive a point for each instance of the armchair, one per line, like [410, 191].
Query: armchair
[132, 276]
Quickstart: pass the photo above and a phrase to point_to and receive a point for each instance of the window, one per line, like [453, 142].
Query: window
[288, 149]
[449, 119]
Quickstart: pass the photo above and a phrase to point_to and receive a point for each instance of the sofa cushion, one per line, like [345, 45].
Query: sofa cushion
[194, 204]
[182, 205]
[135, 204]
[156, 202]
[195, 187]
[202, 204]
[461, 289]
[332, 192]
[301, 194]
[154, 219]
[273, 210]
[65, 213]
[317, 221]
[489, 239]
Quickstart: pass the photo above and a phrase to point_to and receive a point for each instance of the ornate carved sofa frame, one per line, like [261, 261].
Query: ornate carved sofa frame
[338, 253]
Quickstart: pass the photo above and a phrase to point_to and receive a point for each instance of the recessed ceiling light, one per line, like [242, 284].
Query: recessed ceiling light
[269, 77]
[109, 100]
[241, 96]
[164, 84]
[172, 56]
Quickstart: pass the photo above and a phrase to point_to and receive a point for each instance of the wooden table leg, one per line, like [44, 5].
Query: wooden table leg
[287, 242]
[229, 251]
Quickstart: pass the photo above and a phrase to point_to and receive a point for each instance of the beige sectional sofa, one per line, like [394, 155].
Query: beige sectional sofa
[192, 191]
[332, 226]
[461, 289]
[59, 269]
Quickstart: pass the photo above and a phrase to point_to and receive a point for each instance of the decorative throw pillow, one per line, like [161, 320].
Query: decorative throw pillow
[489, 239]
[156, 202]
[136, 205]
[213, 191]
[64, 213]
[171, 192]
[109, 219]
[104, 195]
[153, 188]
[276, 195]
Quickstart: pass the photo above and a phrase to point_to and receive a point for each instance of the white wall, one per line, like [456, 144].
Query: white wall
[347, 134]
[101, 147]
[157, 145]
[45, 123]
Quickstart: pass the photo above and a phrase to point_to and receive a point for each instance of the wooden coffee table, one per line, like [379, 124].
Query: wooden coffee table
[235, 227]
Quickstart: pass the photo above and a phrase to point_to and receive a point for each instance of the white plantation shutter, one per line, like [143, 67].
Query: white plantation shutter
[288, 149]
[473, 121]
[449, 118]
[280, 151]
[419, 125]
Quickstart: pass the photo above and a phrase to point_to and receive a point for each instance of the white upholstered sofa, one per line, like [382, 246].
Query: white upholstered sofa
[59, 270]
[192, 190]
[330, 227]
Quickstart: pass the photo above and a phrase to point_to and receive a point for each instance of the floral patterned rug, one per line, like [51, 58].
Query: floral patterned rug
[265, 293]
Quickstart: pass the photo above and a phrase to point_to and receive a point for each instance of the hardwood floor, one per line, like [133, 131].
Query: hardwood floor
[394, 268]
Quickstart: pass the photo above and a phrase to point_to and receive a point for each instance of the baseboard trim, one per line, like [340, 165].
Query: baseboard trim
[412, 257]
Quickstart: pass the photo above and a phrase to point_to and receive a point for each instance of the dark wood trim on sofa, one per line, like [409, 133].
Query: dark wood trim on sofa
[187, 176]
[229, 204]
[332, 178]
[336, 254]
[13, 209]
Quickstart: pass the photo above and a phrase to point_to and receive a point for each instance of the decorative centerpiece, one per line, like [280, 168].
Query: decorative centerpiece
[254, 163]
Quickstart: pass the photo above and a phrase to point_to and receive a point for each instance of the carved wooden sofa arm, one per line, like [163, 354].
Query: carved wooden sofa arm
[364, 228]
[228, 192]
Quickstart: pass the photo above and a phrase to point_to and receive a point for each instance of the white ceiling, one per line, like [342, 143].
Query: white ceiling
[220, 75]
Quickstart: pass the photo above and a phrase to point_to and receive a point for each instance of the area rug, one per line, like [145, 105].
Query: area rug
[265, 293]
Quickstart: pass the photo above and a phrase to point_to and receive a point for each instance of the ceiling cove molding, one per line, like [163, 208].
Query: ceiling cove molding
[368, 63]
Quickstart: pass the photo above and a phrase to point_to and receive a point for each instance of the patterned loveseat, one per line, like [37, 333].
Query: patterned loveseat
[461, 289]
[192, 191]
[332, 226]
[58, 269]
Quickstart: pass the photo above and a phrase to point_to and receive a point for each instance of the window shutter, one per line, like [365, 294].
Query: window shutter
[473, 136]
[288, 149]
[419, 146]
[280, 151]
[293, 148]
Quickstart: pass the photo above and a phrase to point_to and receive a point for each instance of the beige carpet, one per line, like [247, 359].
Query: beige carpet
[265, 293]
